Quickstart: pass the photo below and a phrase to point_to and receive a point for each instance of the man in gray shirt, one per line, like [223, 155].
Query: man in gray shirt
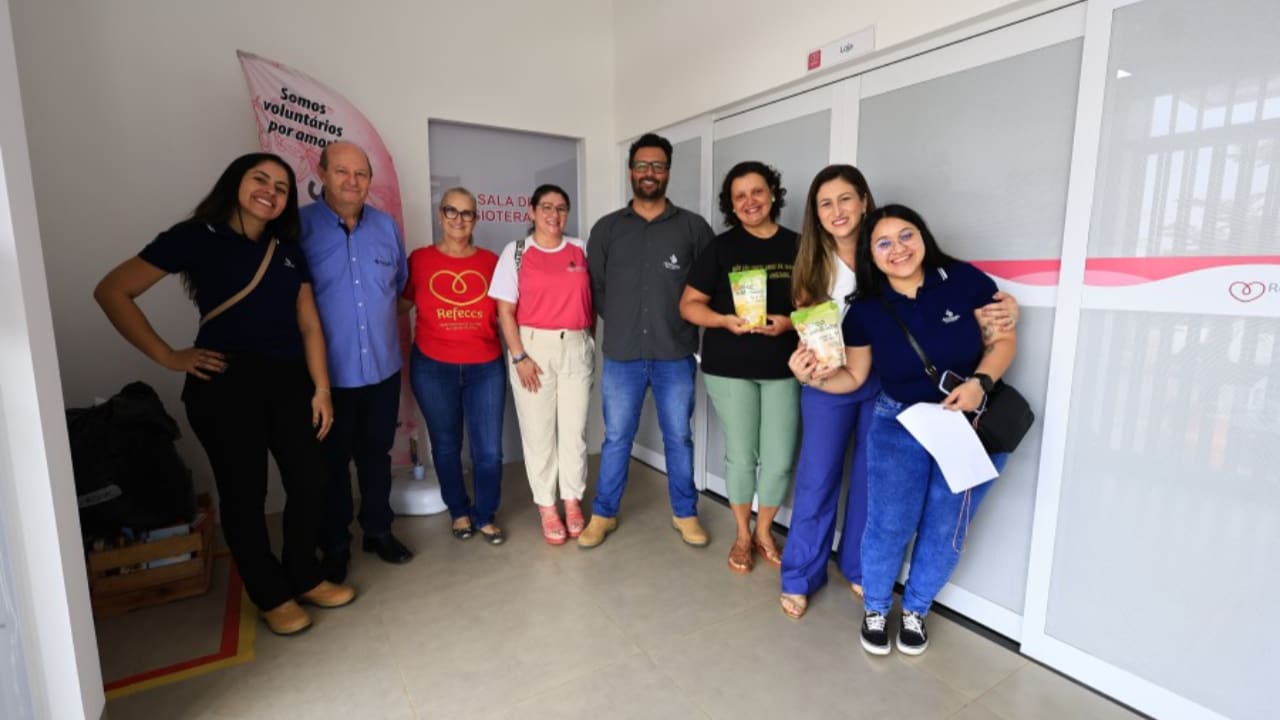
[639, 257]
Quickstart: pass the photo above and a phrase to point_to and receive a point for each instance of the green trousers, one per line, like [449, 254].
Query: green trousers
[761, 419]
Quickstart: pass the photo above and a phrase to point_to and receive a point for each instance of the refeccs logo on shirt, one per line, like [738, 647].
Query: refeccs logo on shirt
[458, 313]
[459, 289]
[672, 263]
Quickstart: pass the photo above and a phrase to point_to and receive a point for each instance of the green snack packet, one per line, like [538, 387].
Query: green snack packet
[749, 295]
[819, 329]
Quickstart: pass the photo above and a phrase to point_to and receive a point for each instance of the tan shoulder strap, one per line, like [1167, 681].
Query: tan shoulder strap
[257, 278]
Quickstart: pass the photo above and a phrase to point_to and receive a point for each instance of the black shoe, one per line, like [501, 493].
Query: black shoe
[875, 639]
[913, 639]
[333, 565]
[388, 548]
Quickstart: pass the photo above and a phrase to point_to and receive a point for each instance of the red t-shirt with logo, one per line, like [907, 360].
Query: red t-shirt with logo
[457, 320]
[552, 290]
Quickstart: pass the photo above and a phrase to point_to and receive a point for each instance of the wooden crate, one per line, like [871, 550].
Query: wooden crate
[114, 593]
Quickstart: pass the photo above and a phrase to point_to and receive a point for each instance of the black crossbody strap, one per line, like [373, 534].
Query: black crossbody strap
[929, 367]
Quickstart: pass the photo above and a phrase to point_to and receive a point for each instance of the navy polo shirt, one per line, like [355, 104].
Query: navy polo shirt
[221, 262]
[940, 317]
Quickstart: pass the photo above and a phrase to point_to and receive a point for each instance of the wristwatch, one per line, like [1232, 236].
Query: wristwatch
[519, 358]
[985, 381]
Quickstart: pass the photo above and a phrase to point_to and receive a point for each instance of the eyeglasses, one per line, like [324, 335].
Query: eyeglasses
[906, 238]
[644, 166]
[548, 208]
[454, 213]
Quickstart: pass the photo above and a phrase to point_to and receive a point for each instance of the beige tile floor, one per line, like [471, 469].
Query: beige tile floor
[640, 627]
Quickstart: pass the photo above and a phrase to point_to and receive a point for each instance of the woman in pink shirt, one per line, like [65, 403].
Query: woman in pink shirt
[544, 307]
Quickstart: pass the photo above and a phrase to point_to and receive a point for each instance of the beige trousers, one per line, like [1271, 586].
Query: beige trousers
[553, 420]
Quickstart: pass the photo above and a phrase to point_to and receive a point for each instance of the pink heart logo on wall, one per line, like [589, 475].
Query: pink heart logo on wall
[1247, 291]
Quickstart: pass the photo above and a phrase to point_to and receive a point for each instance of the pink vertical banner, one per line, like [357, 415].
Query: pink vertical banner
[297, 117]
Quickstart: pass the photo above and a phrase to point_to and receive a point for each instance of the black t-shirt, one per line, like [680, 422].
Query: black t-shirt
[754, 357]
[221, 262]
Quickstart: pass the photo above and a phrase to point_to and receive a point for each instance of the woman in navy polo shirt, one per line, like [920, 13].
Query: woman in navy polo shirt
[839, 199]
[256, 379]
[902, 274]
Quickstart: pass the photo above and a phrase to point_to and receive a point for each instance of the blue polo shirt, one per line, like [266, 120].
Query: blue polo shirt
[358, 275]
[220, 263]
[941, 319]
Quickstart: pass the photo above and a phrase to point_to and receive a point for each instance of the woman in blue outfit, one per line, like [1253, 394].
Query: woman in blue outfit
[839, 198]
[905, 279]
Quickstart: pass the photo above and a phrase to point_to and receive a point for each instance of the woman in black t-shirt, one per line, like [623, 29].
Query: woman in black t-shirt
[744, 364]
[256, 379]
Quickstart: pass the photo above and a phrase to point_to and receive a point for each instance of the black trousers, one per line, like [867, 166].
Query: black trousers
[364, 429]
[254, 408]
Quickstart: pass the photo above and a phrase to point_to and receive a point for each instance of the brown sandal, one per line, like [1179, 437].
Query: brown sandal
[771, 555]
[794, 606]
[740, 560]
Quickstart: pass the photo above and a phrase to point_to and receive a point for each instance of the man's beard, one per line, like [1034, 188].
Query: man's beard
[657, 193]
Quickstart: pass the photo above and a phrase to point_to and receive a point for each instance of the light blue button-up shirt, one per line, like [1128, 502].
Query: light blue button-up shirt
[357, 277]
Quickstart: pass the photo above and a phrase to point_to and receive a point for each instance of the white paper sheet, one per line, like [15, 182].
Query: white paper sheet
[952, 442]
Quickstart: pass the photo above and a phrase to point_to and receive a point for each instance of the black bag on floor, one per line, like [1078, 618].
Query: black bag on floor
[128, 472]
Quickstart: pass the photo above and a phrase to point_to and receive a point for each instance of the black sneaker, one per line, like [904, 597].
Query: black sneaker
[875, 639]
[913, 639]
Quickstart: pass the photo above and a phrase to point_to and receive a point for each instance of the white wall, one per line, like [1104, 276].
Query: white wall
[677, 59]
[37, 494]
[134, 107]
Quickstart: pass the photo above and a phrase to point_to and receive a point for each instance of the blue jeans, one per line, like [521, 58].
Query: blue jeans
[450, 394]
[830, 422]
[622, 384]
[907, 496]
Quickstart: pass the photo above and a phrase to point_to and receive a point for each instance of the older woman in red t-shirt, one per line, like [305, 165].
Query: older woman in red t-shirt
[456, 366]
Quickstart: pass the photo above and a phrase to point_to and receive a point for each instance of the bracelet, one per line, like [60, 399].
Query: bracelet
[519, 358]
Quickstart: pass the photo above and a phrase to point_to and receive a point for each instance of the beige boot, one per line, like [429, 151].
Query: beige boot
[328, 595]
[287, 618]
[691, 530]
[596, 531]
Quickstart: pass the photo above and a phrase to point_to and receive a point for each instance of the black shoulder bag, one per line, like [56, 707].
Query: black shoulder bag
[1004, 418]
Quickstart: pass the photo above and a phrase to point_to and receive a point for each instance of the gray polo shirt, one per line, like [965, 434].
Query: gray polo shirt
[638, 270]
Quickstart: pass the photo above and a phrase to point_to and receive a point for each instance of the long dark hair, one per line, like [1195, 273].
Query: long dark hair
[811, 276]
[223, 201]
[871, 281]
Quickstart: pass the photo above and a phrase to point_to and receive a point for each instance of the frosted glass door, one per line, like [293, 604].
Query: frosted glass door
[1166, 530]
[502, 168]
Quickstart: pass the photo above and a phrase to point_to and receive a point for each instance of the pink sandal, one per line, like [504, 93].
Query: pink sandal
[573, 517]
[552, 527]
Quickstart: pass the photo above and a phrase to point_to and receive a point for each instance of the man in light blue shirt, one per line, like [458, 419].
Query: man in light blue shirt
[357, 262]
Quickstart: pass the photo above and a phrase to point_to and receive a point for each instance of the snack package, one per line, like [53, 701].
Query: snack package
[819, 328]
[749, 295]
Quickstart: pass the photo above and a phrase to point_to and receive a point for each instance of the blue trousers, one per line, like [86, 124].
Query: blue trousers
[451, 397]
[908, 497]
[829, 422]
[364, 429]
[622, 387]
